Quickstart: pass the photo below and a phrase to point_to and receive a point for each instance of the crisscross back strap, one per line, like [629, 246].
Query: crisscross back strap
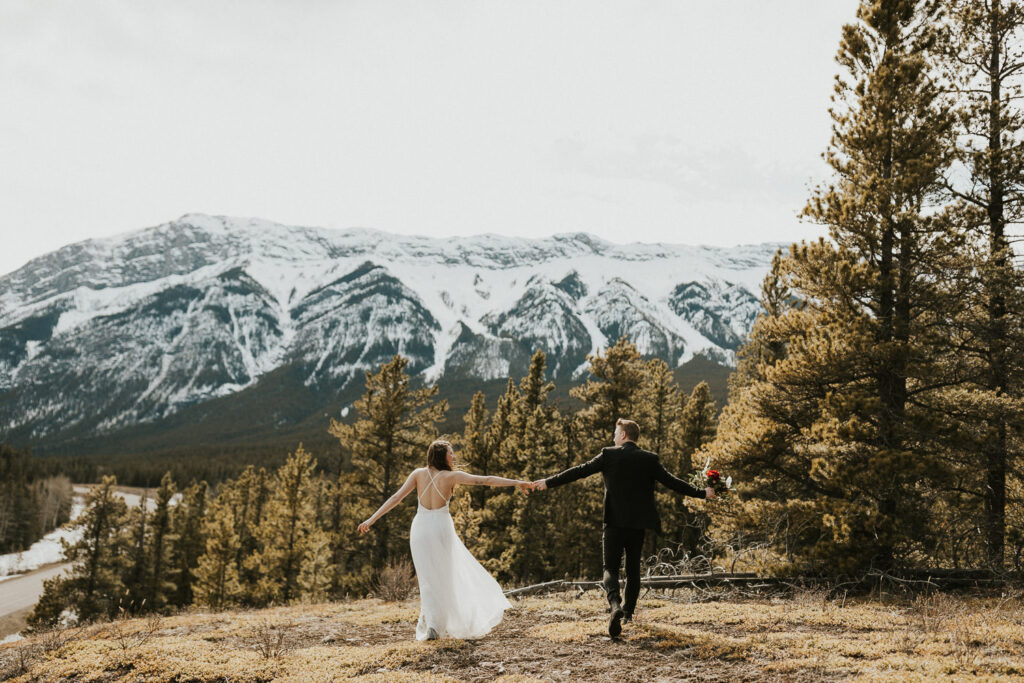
[434, 484]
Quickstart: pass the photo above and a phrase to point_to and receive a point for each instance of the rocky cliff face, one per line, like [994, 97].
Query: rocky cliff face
[110, 333]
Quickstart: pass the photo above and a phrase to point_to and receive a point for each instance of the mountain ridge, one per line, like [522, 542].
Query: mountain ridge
[105, 334]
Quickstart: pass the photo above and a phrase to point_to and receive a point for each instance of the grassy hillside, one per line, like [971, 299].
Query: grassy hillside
[558, 638]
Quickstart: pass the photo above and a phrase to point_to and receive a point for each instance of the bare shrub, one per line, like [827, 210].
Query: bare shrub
[1011, 606]
[130, 636]
[675, 562]
[54, 639]
[271, 640]
[18, 659]
[396, 581]
[929, 613]
[810, 596]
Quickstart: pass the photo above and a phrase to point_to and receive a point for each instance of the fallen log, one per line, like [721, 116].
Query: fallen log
[940, 579]
[536, 588]
[681, 581]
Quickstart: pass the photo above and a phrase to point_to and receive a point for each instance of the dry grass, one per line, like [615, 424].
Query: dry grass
[807, 637]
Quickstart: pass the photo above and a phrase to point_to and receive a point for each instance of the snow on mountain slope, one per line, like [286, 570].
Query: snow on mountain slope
[108, 333]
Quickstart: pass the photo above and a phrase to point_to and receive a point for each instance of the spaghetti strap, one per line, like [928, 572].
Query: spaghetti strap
[434, 484]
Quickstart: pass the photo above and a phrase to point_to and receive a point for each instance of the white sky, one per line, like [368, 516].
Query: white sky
[688, 121]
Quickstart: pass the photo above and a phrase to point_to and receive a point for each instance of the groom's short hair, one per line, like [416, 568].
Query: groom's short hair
[629, 428]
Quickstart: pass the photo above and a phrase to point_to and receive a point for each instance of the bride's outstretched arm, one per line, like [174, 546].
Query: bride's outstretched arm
[480, 480]
[395, 499]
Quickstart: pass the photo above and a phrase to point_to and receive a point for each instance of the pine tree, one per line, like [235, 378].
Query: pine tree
[612, 391]
[983, 53]
[136, 578]
[285, 530]
[535, 550]
[521, 533]
[494, 510]
[756, 435]
[764, 347]
[389, 438]
[249, 495]
[501, 427]
[159, 549]
[837, 441]
[216, 575]
[467, 504]
[659, 408]
[476, 448]
[188, 543]
[696, 426]
[317, 574]
[352, 554]
[94, 587]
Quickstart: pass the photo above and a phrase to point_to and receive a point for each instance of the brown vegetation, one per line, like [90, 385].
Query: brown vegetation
[803, 637]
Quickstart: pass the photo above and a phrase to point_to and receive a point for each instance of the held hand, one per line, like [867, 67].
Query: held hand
[709, 493]
[540, 485]
[365, 526]
[525, 487]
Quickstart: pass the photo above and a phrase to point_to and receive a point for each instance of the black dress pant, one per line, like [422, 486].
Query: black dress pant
[616, 541]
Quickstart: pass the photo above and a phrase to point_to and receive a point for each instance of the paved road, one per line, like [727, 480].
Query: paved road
[23, 592]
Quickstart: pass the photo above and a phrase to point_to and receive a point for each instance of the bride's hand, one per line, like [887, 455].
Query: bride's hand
[525, 486]
[365, 526]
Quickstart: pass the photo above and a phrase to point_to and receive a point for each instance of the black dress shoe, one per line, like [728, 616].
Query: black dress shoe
[627, 617]
[615, 623]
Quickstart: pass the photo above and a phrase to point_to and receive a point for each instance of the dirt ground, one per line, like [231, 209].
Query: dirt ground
[14, 622]
[806, 637]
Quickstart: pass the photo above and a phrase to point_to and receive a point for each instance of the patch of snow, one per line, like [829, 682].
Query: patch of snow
[32, 349]
[46, 550]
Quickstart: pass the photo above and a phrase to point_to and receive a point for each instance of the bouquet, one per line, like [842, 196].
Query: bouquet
[711, 478]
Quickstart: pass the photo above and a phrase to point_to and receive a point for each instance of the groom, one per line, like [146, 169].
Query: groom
[629, 475]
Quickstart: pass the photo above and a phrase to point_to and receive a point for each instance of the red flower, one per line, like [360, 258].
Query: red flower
[714, 475]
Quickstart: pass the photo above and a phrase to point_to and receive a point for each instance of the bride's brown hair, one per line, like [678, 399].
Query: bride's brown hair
[437, 455]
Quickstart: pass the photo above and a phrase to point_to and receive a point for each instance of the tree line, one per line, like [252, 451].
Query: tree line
[34, 499]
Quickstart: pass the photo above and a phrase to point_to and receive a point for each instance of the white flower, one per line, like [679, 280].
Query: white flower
[728, 482]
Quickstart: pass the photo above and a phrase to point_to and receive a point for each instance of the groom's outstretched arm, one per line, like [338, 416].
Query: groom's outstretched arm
[675, 483]
[592, 466]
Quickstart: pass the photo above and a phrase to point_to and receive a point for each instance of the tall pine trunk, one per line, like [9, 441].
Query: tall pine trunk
[996, 447]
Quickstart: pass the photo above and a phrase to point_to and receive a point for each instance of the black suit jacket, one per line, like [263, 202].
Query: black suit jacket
[629, 474]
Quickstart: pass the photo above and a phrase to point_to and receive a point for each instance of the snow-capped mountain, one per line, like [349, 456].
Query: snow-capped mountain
[109, 333]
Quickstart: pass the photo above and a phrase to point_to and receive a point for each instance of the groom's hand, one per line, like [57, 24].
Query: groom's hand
[540, 485]
[709, 493]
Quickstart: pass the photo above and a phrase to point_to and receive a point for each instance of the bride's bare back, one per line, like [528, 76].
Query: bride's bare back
[434, 488]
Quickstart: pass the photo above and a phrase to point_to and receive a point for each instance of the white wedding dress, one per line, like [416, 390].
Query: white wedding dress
[458, 598]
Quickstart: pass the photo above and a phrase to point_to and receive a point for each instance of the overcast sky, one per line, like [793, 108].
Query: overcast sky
[685, 121]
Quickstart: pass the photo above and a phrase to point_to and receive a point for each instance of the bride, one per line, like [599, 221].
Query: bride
[458, 598]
